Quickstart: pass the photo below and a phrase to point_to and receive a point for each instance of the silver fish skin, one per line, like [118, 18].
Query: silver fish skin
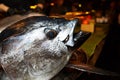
[36, 48]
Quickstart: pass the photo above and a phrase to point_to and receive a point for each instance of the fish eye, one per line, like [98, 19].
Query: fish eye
[50, 33]
[66, 39]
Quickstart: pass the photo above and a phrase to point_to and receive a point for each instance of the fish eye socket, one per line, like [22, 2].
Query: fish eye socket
[50, 33]
[66, 39]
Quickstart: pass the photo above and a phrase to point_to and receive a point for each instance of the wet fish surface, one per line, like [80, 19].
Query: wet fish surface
[36, 48]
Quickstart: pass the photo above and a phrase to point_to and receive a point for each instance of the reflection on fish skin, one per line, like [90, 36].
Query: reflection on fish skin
[27, 53]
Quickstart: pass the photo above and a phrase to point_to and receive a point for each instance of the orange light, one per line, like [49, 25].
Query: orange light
[85, 22]
[52, 4]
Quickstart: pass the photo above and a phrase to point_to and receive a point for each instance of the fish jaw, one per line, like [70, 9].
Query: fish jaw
[68, 32]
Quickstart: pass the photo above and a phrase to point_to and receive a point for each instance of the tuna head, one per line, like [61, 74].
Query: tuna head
[36, 48]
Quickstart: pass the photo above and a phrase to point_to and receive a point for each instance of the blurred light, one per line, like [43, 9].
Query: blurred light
[82, 17]
[41, 6]
[85, 21]
[87, 12]
[33, 7]
[68, 13]
[80, 5]
[77, 13]
[89, 17]
[92, 10]
[52, 4]
[73, 13]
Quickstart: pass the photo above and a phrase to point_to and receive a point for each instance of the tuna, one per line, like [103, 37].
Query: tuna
[36, 47]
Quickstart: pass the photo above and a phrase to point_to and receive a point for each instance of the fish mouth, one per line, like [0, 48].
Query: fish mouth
[77, 37]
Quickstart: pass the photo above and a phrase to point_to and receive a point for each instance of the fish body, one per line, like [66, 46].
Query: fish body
[36, 48]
